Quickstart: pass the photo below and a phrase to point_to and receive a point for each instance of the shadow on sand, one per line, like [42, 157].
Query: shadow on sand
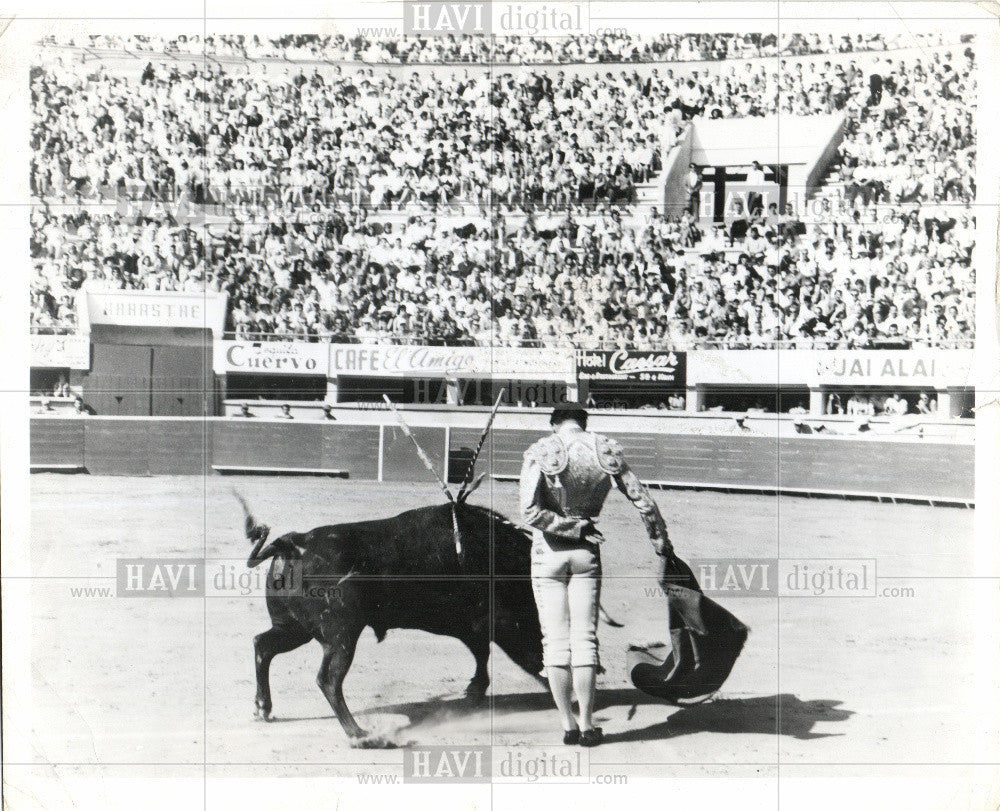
[783, 714]
[757, 715]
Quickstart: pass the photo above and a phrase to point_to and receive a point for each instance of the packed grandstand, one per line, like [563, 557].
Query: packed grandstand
[612, 46]
[355, 202]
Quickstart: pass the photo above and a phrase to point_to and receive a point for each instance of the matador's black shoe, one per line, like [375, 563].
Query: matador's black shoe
[571, 738]
[592, 737]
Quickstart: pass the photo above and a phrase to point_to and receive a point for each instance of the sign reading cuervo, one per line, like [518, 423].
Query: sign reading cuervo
[272, 357]
[655, 366]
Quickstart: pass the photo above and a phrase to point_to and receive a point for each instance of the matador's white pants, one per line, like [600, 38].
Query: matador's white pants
[566, 580]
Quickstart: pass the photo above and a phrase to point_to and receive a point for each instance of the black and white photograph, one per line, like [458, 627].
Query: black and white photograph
[499, 405]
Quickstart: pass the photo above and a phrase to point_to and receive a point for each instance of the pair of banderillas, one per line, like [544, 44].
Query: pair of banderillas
[468, 485]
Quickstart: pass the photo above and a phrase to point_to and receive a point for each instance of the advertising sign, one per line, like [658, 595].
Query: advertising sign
[654, 366]
[60, 351]
[906, 367]
[142, 308]
[454, 362]
[271, 357]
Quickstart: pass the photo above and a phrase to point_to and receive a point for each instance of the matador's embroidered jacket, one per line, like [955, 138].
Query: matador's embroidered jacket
[567, 476]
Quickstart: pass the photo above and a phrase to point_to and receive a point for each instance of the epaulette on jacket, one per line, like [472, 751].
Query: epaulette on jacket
[610, 455]
[550, 454]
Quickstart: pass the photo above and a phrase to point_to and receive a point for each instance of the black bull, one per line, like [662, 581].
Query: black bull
[402, 572]
[331, 583]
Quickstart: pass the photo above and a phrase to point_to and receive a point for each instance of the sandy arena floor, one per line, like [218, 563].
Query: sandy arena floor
[857, 680]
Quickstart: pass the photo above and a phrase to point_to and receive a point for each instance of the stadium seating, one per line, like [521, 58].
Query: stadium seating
[356, 189]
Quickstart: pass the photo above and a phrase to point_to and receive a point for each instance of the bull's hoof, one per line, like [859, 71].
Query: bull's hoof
[368, 740]
[475, 693]
[260, 714]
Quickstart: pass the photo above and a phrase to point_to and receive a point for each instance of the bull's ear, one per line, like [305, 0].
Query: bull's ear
[465, 492]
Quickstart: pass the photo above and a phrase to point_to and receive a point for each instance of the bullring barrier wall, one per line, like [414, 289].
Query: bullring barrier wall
[925, 471]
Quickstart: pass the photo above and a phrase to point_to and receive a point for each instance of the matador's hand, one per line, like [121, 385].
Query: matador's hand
[657, 529]
[663, 547]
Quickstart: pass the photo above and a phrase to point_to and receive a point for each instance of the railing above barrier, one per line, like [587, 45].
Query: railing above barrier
[389, 338]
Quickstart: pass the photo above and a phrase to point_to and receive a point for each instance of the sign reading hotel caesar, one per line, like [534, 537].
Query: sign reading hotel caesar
[655, 366]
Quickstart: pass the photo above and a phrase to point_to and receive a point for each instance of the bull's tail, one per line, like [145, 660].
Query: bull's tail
[256, 534]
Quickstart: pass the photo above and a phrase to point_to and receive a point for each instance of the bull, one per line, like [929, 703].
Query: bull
[332, 582]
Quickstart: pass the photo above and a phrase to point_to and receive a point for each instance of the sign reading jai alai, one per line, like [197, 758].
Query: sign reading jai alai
[893, 367]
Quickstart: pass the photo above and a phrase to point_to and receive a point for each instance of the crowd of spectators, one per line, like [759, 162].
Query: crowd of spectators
[234, 135]
[84, 250]
[612, 45]
[358, 137]
[609, 46]
[898, 277]
[886, 263]
[892, 404]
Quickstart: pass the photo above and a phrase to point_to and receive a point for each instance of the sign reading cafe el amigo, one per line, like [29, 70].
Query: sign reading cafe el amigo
[456, 362]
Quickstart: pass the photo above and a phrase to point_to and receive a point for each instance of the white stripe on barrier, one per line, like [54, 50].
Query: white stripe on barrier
[797, 491]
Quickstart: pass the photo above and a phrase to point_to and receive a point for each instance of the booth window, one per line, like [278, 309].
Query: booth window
[293, 388]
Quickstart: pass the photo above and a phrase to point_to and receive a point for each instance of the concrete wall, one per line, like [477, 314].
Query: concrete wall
[805, 143]
[934, 471]
[675, 172]
[122, 446]
[822, 164]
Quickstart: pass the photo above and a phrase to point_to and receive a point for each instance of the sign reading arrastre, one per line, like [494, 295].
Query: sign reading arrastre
[153, 308]
[271, 357]
[653, 366]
